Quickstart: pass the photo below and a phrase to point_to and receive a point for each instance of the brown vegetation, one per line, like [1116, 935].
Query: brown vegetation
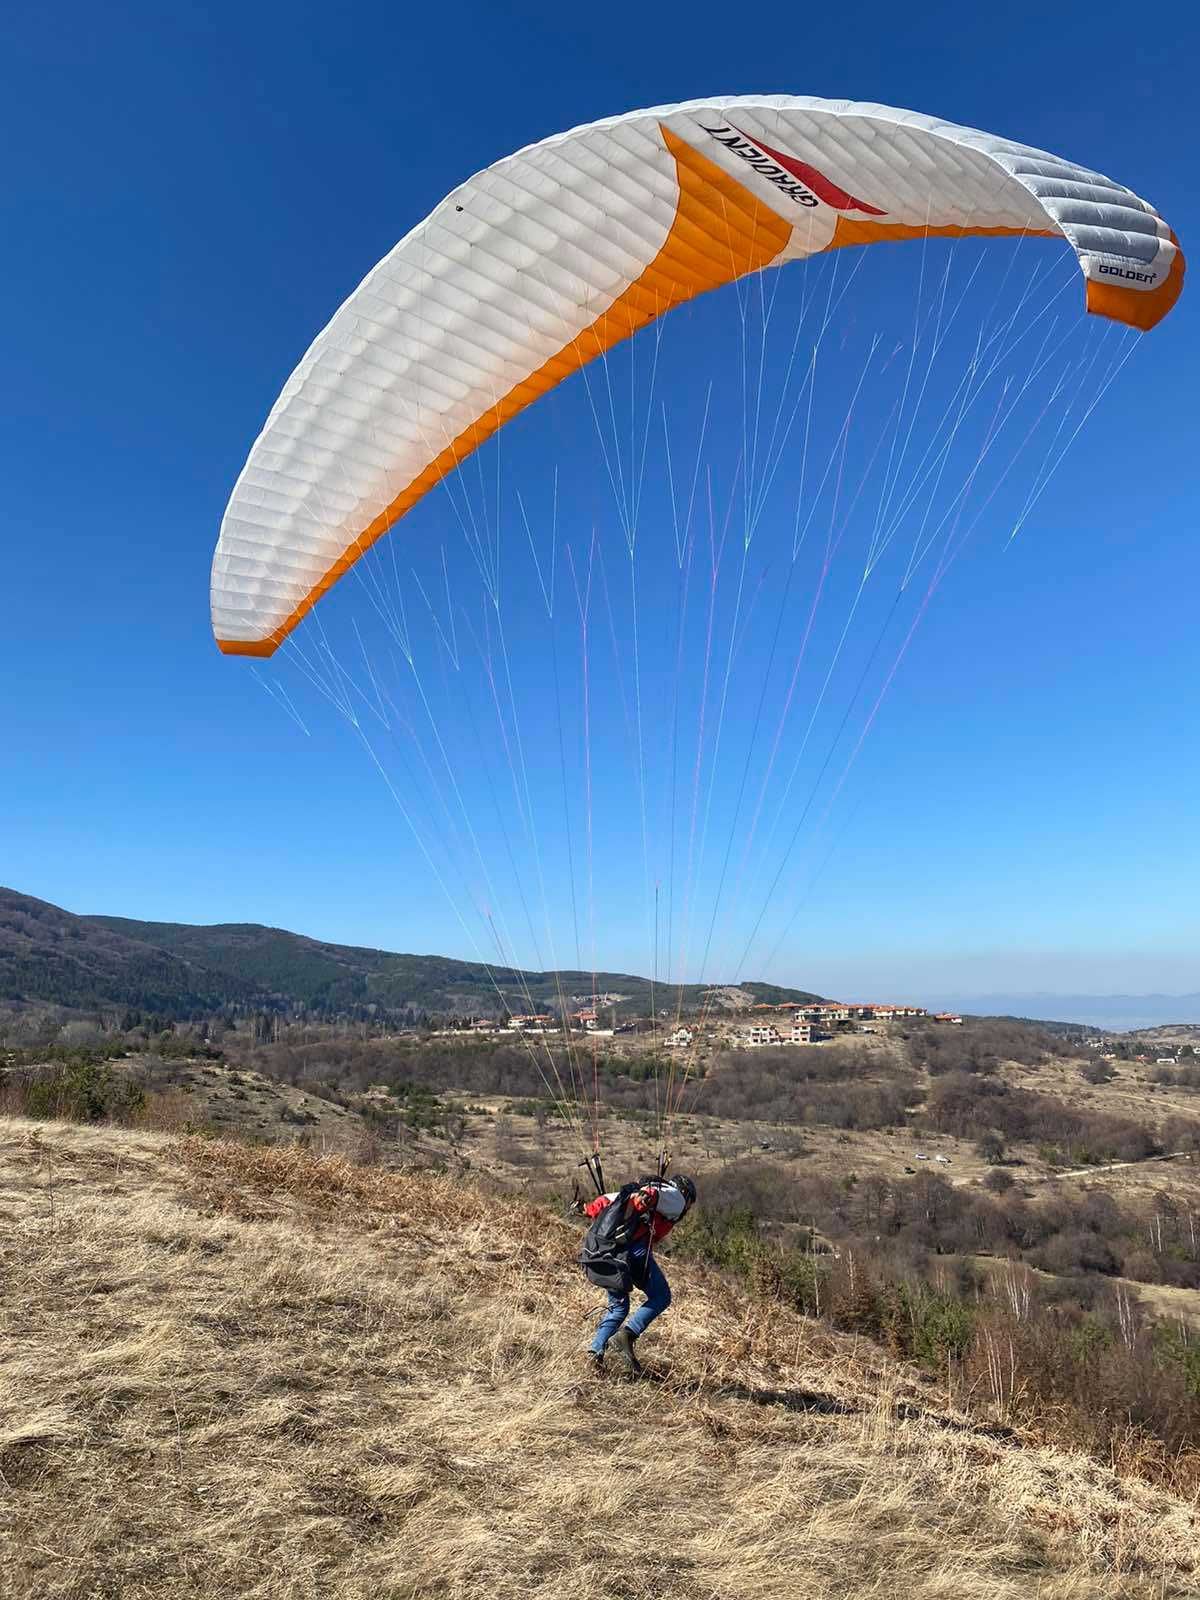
[231, 1370]
[1063, 1346]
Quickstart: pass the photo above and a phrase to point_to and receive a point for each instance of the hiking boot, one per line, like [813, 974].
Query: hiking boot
[593, 1363]
[622, 1342]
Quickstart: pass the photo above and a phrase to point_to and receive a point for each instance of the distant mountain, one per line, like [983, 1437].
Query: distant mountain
[51, 955]
[1120, 1012]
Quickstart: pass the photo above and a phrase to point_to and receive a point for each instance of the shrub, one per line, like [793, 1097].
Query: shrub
[942, 1326]
[83, 1090]
[1077, 1251]
[991, 1147]
[1097, 1072]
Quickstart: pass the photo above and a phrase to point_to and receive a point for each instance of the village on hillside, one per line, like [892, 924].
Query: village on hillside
[758, 1025]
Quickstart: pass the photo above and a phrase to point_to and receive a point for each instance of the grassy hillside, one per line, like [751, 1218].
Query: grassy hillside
[227, 1370]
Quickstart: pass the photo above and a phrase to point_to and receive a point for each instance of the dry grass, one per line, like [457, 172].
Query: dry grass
[228, 1371]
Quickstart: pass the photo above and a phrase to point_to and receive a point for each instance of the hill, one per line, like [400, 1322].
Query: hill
[227, 1370]
[51, 955]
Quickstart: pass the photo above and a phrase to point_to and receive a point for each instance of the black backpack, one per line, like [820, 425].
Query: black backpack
[604, 1254]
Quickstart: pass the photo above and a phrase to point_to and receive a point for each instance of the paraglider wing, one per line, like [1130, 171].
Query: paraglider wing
[541, 263]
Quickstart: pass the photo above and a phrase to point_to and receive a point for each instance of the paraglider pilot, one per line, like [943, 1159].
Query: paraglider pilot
[618, 1256]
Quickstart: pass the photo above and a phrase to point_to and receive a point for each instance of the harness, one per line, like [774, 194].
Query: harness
[605, 1253]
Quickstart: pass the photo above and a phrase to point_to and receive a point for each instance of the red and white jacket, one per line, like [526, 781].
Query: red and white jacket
[662, 1203]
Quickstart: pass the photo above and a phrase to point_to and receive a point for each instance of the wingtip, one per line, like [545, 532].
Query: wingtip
[247, 647]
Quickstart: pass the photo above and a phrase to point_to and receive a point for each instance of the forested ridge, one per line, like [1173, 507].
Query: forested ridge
[48, 955]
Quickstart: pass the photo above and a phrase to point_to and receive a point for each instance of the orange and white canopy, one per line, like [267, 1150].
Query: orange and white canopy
[543, 261]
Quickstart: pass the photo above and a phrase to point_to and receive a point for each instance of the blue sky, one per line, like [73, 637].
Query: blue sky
[192, 191]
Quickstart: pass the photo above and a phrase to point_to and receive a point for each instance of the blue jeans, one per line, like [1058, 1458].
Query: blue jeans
[653, 1284]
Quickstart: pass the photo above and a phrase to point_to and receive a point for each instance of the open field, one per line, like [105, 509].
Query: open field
[800, 1178]
[500, 1133]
